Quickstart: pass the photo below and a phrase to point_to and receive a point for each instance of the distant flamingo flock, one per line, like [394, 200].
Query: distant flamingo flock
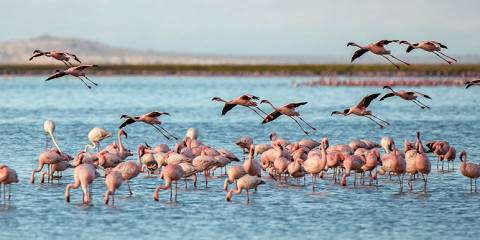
[279, 160]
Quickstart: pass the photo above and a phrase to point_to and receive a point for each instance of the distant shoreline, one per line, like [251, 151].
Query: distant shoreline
[438, 70]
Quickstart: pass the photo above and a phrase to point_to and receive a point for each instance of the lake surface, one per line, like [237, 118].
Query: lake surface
[277, 211]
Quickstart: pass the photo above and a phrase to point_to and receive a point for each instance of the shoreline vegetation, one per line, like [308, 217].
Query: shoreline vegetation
[419, 70]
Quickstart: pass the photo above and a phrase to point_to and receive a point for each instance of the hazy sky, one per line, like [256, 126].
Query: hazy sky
[250, 27]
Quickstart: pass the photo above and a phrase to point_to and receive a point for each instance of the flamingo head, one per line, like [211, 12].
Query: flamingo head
[463, 155]
[120, 131]
[403, 42]
[229, 196]
[264, 101]
[325, 142]
[272, 136]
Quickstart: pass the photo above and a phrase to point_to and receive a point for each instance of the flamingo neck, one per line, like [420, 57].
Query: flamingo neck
[54, 141]
[120, 144]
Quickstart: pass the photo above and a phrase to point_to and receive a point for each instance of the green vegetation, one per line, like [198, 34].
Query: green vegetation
[280, 70]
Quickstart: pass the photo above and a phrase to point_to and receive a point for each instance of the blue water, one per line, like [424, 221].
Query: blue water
[276, 211]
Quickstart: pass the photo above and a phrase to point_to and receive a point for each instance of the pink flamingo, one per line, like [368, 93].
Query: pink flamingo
[63, 57]
[113, 181]
[48, 157]
[151, 119]
[251, 166]
[83, 175]
[377, 48]
[76, 72]
[170, 173]
[470, 170]
[360, 109]
[407, 95]
[7, 177]
[244, 100]
[246, 182]
[130, 169]
[429, 46]
[287, 110]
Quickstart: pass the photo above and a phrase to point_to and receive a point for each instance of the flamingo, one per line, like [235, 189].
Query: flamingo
[76, 72]
[407, 95]
[130, 169]
[48, 157]
[429, 46]
[244, 100]
[189, 171]
[360, 109]
[83, 175]
[171, 173]
[203, 163]
[398, 165]
[422, 164]
[251, 166]
[377, 48]
[63, 57]
[470, 170]
[472, 83]
[113, 181]
[119, 149]
[287, 110]
[151, 119]
[7, 177]
[246, 182]
[49, 128]
[316, 163]
[244, 143]
[351, 163]
[233, 173]
[95, 136]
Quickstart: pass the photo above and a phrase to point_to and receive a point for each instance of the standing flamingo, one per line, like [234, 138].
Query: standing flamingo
[470, 170]
[49, 128]
[151, 119]
[429, 46]
[246, 182]
[130, 169]
[251, 166]
[407, 95]
[287, 110]
[48, 157]
[360, 109]
[95, 136]
[113, 181]
[170, 173]
[377, 48]
[83, 175]
[244, 100]
[7, 177]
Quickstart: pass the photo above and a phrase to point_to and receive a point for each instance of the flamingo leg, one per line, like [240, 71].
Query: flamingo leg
[176, 190]
[380, 119]
[408, 64]
[255, 111]
[314, 129]
[94, 83]
[161, 132]
[173, 136]
[88, 86]
[448, 56]
[449, 62]
[380, 125]
[129, 189]
[259, 109]
[418, 101]
[65, 62]
[391, 62]
[421, 106]
[299, 124]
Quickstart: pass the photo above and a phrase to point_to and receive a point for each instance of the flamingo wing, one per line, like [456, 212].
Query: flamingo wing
[439, 44]
[227, 108]
[359, 53]
[74, 57]
[85, 66]
[365, 102]
[36, 55]
[156, 114]
[382, 43]
[295, 105]
[272, 116]
[249, 97]
[127, 122]
[56, 75]
[387, 96]
[471, 83]
[420, 94]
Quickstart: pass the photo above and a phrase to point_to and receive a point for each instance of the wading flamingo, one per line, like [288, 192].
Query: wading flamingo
[151, 119]
[113, 181]
[233, 173]
[246, 182]
[360, 109]
[49, 128]
[170, 173]
[429, 46]
[76, 72]
[470, 170]
[95, 136]
[7, 177]
[48, 157]
[244, 100]
[287, 110]
[377, 48]
[251, 166]
[407, 95]
[83, 175]
[130, 169]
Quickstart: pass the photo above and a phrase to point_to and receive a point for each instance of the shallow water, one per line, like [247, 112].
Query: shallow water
[276, 211]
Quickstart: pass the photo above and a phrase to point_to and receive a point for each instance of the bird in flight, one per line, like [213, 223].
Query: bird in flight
[471, 83]
[245, 100]
[76, 72]
[287, 110]
[63, 57]
[377, 48]
[429, 46]
[407, 95]
[360, 109]
[151, 119]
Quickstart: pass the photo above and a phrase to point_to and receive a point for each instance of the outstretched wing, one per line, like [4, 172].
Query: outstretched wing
[272, 116]
[56, 75]
[382, 43]
[420, 94]
[358, 53]
[36, 55]
[127, 122]
[227, 108]
[367, 100]
[249, 97]
[471, 83]
[295, 105]
[156, 114]
[439, 44]
[74, 57]
[85, 66]
[387, 96]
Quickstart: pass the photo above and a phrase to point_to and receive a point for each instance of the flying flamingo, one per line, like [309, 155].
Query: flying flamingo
[470, 170]
[377, 48]
[113, 181]
[7, 177]
[171, 173]
[76, 72]
[49, 128]
[63, 57]
[407, 95]
[246, 182]
[95, 136]
[151, 119]
[287, 110]
[83, 175]
[472, 83]
[429, 46]
[360, 109]
[244, 100]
